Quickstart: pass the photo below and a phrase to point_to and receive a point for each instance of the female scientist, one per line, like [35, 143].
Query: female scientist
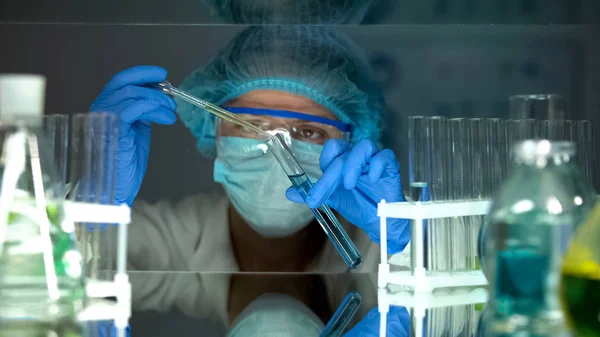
[310, 82]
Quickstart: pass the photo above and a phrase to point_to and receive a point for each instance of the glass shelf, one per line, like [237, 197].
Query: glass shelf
[208, 12]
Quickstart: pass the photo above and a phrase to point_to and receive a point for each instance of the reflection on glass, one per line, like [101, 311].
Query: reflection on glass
[395, 323]
[276, 314]
[342, 316]
[27, 328]
[285, 304]
[458, 320]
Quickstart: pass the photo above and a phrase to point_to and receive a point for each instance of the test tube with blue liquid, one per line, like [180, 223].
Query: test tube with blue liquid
[330, 224]
[342, 316]
[276, 143]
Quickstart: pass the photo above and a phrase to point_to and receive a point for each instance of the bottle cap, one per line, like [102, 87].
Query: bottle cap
[529, 151]
[22, 96]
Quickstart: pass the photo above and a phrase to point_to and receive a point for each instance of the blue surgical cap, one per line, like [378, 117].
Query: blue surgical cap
[289, 12]
[316, 62]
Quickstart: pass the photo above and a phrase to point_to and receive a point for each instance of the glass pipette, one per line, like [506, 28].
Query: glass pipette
[276, 143]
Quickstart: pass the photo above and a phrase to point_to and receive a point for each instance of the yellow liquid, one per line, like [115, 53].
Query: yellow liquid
[580, 290]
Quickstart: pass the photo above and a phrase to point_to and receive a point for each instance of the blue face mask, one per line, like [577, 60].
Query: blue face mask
[256, 184]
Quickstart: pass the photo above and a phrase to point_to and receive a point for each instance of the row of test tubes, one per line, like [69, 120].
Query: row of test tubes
[83, 149]
[454, 159]
[460, 320]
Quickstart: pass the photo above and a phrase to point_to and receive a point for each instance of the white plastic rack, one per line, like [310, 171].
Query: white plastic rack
[419, 302]
[99, 309]
[417, 278]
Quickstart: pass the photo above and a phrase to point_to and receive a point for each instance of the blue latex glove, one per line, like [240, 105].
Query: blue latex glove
[106, 329]
[137, 107]
[398, 324]
[356, 178]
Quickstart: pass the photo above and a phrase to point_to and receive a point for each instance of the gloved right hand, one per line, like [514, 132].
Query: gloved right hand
[398, 324]
[137, 107]
[105, 329]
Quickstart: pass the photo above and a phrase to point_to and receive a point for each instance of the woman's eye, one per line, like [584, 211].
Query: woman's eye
[310, 133]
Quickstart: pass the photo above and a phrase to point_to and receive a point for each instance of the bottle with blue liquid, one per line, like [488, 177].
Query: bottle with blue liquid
[527, 233]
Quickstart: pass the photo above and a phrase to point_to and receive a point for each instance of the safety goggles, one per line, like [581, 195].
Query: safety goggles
[304, 127]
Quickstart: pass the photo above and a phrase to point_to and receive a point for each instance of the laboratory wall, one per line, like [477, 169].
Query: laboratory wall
[450, 70]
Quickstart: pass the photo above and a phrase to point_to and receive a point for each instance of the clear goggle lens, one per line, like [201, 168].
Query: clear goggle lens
[303, 127]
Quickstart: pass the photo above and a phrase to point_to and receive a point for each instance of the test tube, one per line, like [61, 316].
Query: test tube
[92, 178]
[544, 130]
[439, 189]
[527, 129]
[556, 130]
[495, 150]
[502, 148]
[475, 125]
[330, 224]
[590, 149]
[419, 131]
[56, 130]
[486, 134]
[585, 148]
[512, 135]
[460, 170]
[477, 162]
[342, 316]
[570, 130]
[440, 151]
[418, 154]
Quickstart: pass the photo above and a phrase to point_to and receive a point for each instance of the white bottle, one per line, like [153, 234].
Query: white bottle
[22, 96]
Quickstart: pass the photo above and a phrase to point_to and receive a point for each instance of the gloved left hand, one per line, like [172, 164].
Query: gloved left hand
[355, 178]
[398, 324]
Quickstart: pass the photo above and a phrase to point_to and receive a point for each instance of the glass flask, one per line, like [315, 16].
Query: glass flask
[41, 277]
[527, 233]
[580, 278]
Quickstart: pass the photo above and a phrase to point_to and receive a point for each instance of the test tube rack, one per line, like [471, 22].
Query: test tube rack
[418, 303]
[99, 309]
[418, 278]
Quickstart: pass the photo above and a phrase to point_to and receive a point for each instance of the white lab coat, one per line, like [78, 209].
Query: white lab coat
[193, 235]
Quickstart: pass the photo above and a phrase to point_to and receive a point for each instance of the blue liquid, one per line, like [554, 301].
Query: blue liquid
[342, 316]
[521, 287]
[330, 224]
